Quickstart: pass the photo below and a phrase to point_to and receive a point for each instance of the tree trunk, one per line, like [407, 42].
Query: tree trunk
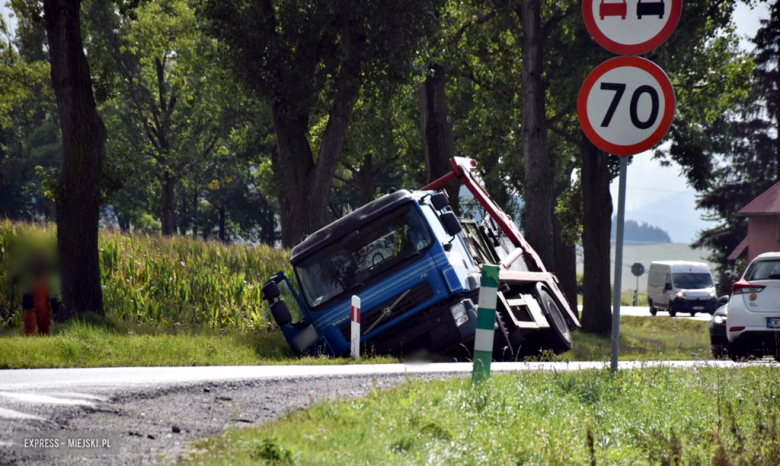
[565, 264]
[195, 211]
[184, 217]
[366, 180]
[438, 140]
[539, 169]
[596, 225]
[306, 184]
[168, 204]
[222, 230]
[83, 146]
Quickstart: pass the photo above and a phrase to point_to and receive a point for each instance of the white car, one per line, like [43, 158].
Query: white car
[753, 324]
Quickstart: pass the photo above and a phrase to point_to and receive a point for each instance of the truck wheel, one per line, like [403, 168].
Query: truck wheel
[558, 337]
[672, 312]
[653, 312]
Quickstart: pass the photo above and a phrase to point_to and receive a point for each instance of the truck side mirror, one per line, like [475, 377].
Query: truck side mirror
[723, 300]
[668, 287]
[270, 290]
[440, 200]
[450, 223]
[281, 313]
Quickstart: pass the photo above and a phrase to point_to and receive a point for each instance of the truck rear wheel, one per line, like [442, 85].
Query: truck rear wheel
[558, 337]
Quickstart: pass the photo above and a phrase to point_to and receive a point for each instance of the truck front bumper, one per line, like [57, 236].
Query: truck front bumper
[433, 330]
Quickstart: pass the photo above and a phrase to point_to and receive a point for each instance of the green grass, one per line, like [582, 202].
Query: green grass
[97, 342]
[156, 281]
[651, 416]
[646, 338]
[110, 343]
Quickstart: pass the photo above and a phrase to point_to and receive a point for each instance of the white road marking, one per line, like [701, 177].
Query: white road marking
[44, 399]
[6, 413]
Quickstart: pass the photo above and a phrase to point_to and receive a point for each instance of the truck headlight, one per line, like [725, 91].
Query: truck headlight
[680, 294]
[719, 320]
[713, 294]
[460, 314]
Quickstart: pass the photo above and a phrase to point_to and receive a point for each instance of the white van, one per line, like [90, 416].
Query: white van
[680, 286]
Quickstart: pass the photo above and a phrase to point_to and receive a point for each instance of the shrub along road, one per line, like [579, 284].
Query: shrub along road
[160, 411]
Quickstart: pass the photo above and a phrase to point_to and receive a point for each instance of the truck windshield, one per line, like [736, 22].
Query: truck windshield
[692, 281]
[346, 265]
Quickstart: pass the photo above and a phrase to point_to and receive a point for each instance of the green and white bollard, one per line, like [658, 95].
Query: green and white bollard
[486, 323]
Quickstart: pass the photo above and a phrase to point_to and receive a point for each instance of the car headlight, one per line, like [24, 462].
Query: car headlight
[719, 320]
[713, 294]
[460, 314]
[680, 294]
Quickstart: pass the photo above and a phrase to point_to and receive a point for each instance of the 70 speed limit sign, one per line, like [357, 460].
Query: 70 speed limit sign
[626, 105]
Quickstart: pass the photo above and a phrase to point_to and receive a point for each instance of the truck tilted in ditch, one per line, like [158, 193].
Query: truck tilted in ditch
[416, 268]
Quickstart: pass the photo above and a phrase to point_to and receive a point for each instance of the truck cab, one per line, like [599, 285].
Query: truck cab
[416, 268]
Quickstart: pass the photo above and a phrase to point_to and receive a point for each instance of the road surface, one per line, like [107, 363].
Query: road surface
[643, 311]
[157, 412]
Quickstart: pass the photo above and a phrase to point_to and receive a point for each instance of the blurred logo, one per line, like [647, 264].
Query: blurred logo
[753, 297]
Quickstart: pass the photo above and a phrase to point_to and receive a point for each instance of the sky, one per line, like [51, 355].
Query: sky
[649, 185]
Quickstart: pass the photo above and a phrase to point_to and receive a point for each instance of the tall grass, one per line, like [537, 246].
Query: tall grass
[650, 416]
[159, 281]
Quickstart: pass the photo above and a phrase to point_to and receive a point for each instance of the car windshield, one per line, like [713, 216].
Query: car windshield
[764, 270]
[692, 281]
[346, 265]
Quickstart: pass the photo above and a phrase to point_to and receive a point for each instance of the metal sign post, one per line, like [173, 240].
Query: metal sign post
[644, 116]
[618, 264]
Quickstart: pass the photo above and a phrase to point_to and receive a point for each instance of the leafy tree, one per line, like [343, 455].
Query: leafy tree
[309, 60]
[750, 145]
[170, 98]
[29, 130]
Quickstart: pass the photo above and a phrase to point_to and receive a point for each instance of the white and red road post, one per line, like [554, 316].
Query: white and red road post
[355, 328]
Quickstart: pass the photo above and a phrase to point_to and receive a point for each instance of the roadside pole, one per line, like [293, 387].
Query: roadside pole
[355, 328]
[486, 323]
[618, 264]
[643, 118]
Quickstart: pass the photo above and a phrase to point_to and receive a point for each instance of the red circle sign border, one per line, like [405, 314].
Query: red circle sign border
[670, 105]
[626, 49]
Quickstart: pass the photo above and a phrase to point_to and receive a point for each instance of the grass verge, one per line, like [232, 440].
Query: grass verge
[646, 338]
[111, 342]
[650, 416]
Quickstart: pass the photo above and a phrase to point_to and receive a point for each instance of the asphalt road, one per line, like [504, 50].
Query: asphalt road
[157, 412]
[643, 311]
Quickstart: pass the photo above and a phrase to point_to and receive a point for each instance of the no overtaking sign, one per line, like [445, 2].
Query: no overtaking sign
[631, 27]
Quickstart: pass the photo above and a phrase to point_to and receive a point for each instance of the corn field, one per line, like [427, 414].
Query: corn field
[159, 281]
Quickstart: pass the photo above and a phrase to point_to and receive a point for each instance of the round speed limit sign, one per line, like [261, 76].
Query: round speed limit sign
[626, 105]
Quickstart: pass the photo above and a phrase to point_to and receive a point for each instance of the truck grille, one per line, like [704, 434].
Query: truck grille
[416, 295]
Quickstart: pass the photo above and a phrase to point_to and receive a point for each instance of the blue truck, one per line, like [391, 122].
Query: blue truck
[416, 268]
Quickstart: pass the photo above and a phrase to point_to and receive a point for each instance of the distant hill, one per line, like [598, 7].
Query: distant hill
[641, 233]
[676, 214]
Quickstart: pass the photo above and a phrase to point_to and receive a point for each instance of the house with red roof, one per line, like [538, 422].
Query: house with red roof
[763, 215]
